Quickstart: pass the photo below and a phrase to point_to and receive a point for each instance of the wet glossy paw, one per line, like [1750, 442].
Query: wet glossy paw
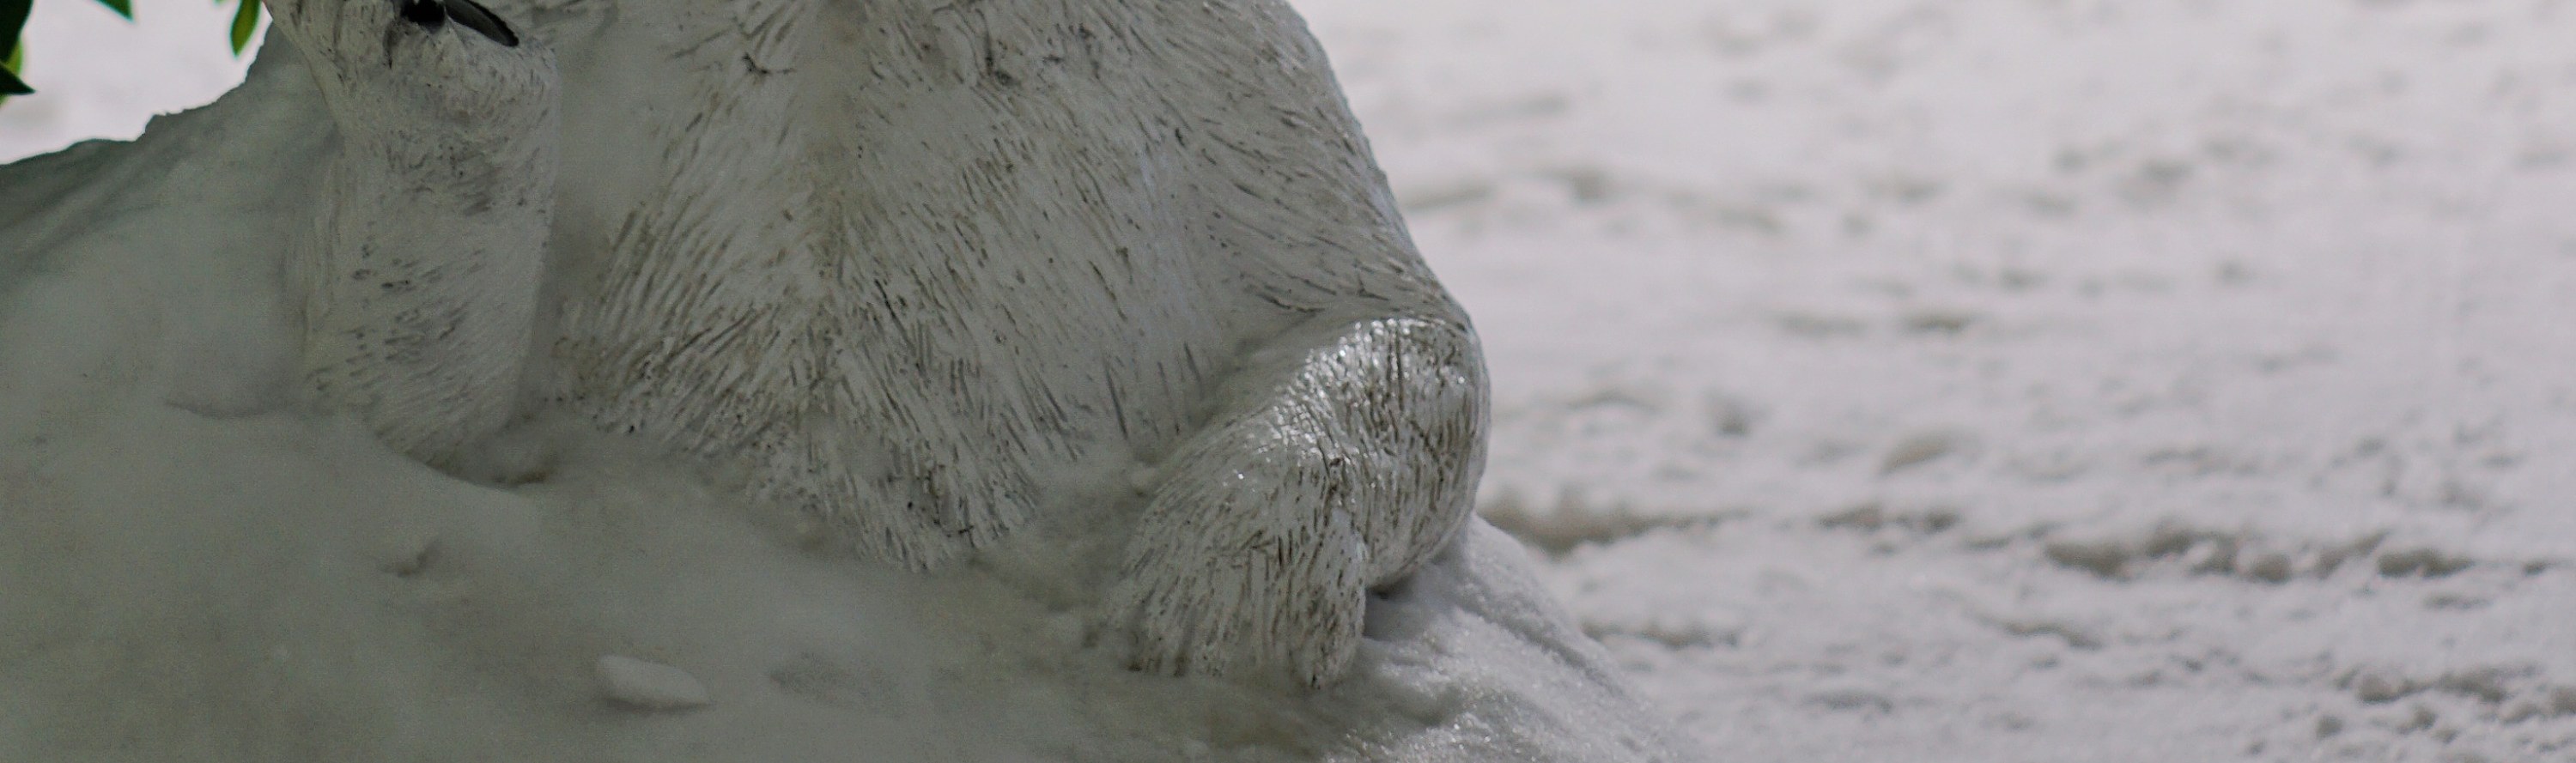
[1244, 573]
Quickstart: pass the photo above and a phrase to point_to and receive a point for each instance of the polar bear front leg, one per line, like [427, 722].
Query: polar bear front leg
[420, 281]
[1345, 456]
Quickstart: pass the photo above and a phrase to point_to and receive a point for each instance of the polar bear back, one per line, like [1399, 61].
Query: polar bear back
[924, 261]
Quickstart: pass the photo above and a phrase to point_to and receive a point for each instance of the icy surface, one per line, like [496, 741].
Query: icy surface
[1993, 380]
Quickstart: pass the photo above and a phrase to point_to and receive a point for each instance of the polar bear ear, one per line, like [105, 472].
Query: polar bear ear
[474, 16]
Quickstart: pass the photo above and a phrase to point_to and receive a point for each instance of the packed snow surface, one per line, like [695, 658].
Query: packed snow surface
[1996, 380]
[2020, 379]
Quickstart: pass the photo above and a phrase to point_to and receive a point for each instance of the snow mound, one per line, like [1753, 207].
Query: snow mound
[280, 587]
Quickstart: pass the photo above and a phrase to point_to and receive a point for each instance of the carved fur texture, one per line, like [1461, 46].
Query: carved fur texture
[420, 278]
[927, 272]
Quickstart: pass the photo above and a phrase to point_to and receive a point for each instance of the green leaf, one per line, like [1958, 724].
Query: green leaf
[245, 21]
[121, 7]
[13, 18]
[11, 21]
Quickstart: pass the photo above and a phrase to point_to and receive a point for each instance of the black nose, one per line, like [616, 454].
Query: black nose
[432, 14]
[429, 14]
[472, 16]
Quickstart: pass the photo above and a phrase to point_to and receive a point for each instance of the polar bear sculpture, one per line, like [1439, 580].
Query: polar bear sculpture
[925, 273]
[1099, 305]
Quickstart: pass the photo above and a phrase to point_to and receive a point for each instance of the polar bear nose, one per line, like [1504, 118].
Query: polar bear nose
[432, 14]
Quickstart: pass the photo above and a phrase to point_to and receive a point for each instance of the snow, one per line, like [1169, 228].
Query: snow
[1880, 380]
[275, 587]
[647, 685]
[2023, 380]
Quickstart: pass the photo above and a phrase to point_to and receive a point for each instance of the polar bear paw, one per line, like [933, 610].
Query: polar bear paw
[1349, 461]
[1245, 572]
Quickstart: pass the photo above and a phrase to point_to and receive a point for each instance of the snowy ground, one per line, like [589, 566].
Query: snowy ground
[2025, 380]
[2003, 380]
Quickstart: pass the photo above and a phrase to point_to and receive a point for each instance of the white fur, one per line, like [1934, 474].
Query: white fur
[920, 269]
[419, 282]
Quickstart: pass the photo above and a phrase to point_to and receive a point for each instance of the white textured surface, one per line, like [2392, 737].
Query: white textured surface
[923, 277]
[2277, 276]
[1999, 380]
[417, 291]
